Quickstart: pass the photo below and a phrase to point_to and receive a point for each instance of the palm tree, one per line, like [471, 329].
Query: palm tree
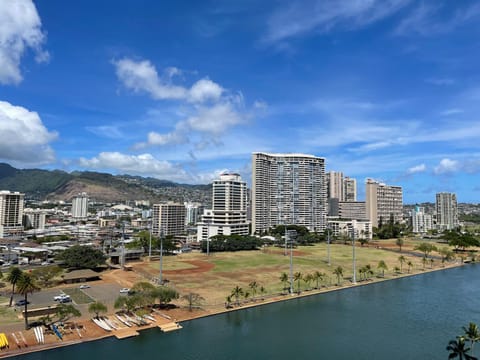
[457, 349]
[431, 263]
[396, 269]
[13, 277]
[284, 279]
[26, 285]
[382, 266]
[237, 292]
[263, 291]
[338, 271]
[410, 265]
[472, 333]
[361, 271]
[253, 286]
[308, 278]
[318, 276]
[402, 259]
[97, 307]
[297, 277]
[424, 262]
[400, 243]
[368, 271]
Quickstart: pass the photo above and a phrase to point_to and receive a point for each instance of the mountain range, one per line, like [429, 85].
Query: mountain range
[39, 184]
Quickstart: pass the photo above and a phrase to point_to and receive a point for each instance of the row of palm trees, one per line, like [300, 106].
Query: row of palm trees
[458, 347]
[25, 284]
[238, 292]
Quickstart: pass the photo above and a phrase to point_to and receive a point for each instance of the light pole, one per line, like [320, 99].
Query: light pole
[354, 280]
[328, 244]
[291, 267]
[150, 241]
[123, 245]
[160, 280]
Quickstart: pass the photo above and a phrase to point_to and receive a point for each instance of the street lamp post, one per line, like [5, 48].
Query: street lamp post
[354, 279]
[328, 245]
[291, 267]
[160, 280]
[150, 241]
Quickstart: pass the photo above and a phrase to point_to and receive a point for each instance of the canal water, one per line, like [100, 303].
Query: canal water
[408, 318]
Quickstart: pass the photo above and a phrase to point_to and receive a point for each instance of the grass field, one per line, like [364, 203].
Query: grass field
[227, 270]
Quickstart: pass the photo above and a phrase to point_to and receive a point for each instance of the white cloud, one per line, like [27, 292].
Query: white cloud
[440, 81]
[23, 137]
[426, 19]
[107, 131]
[143, 164]
[450, 112]
[208, 110]
[20, 29]
[417, 169]
[141, 76]
[446, 166]
[204, 90]
[321, 16]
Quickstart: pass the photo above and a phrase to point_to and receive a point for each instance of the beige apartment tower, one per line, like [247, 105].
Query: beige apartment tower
[168, 219]
[447, 211]
[11, 214]
[383, 201]
[288, 189]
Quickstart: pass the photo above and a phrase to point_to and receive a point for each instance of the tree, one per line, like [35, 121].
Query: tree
[193, 299]
[368, 271]
[402, 259]
[164, 294]
[308, 278]
[396, 269]
[424, 262]
[317, 277]
[26, 284]
[298, 277]
[410, 265]
[262, 291]
[426, 248]
[457, 349]
[472, 333]
[284, 279]
[44, 275]
[338, 271]
[361, 271]
[237, 292]
[65, 312]
[13, 277]
[253, 286]
[431, 263]
[97, 307]
[382, 266]
[82, 257]
[400, 243]
[446, 254]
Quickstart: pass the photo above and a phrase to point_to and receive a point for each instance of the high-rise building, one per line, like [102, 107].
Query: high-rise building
[383, 202]
[421, 222]
[34, 219]
[447, 211]
[228, 215]
[11, 214]
[288, 189]
[168, 219]
[349, 189]
[80, 206]
[335, 185]
[193, 213]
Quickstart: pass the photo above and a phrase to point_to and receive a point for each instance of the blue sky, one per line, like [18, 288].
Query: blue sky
[184, 90]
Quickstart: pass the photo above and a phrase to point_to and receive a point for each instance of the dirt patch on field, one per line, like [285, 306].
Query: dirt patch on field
[200, 267]
[282, 252]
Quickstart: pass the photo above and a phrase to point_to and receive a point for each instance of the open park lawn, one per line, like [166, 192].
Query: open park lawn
[214, 276]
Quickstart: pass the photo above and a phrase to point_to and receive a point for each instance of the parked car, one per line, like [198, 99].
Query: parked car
[65, 300]
[124, 291]
[61, 297]
[84, 286]
[21, 302]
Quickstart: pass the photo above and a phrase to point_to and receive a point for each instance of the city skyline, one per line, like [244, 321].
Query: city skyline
[184, 91]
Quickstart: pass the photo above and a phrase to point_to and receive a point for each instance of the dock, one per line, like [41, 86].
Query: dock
[171, 326]
[125, 333]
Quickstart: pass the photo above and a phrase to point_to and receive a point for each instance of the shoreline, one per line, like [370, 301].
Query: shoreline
[208, 313]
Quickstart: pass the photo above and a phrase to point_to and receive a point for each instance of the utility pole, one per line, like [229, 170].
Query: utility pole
[123, 245]
[328, 244]
[354, 279]
[291, 266]
[150, 236]
[160, 279]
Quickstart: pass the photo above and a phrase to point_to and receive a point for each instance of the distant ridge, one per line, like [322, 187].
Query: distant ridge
[60, 185]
